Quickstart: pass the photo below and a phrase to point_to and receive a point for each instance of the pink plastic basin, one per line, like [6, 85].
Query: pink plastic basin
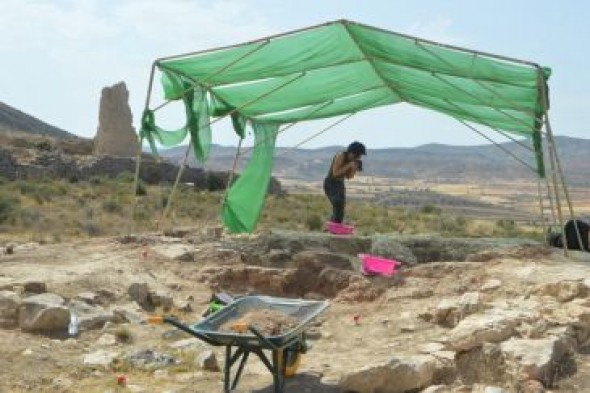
[339, 229]
[378, 266]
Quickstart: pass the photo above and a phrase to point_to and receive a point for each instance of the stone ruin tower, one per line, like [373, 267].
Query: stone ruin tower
[116, 135]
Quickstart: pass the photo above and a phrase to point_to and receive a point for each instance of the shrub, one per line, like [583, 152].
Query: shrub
[430, 209]
[112, 206]
[141, 189]
[314, 222]
[9, 207]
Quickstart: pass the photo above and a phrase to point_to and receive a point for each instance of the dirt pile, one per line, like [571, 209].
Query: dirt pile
[268, 322]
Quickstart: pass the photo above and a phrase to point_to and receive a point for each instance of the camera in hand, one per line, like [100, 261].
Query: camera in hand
[359, 165]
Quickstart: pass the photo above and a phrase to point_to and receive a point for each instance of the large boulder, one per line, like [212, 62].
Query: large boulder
[539, 360]
[398, 375]
[9, 305]
[91, 317]
[493, 326]
[45, 312]
[391, 249]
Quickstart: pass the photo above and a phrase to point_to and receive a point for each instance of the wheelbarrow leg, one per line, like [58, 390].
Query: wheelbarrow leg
[278, 371]
[227, 370]
[240, 369]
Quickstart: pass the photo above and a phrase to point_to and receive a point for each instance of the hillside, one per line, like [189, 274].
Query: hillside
[14, 121]
[432, 162]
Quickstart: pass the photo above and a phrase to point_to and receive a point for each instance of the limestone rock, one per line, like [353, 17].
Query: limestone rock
[88, 297]
[99, 358]
[116, 135]
[389, 248]
[536, 359]
[91, 317]
[491, 285]
[9, 305]
[494, 326]
[35, 287]
[44, 312]
[398, 375]
[437, 389]
[208, 361]
[140, 292]
[176, 252]
[564, 291]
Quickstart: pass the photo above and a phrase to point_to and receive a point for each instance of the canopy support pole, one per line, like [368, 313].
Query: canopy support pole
[140, 149]
[232, 174]
[554, 157]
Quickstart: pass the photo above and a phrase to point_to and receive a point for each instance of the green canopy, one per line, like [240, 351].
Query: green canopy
[339, 68]
[349, 67]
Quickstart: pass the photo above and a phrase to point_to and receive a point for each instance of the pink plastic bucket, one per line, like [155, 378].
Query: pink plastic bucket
[373, 265]
[339, 229]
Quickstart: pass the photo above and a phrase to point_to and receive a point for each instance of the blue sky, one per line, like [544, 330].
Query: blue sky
[58, 55]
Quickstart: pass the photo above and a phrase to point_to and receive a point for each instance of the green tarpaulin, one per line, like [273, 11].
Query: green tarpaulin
[345, 67]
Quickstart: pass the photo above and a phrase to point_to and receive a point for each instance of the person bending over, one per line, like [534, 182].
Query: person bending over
[344, 166]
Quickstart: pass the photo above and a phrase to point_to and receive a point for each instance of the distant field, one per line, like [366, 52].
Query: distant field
[497, 200]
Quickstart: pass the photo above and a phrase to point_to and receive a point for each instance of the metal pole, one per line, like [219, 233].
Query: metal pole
[169, 201]
[230, 178]
[453, 47]
[139, 146]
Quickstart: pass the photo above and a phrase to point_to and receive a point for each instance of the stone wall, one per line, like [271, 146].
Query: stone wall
[56, 165]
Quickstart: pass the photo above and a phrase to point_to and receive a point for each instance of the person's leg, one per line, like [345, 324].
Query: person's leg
[339, 202]
[334, 190]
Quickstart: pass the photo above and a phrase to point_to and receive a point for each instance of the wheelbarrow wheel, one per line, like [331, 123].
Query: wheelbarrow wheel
[292, 361]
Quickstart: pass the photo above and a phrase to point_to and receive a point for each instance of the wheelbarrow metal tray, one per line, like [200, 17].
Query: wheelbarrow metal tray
[305, 311]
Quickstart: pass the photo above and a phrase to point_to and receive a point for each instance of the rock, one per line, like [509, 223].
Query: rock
[37, 287]
[437, 389]
[176, 252]
[91, 317]
[484, 363]
[107, 340]
[564, 291]
[189, 343]
[128, 314]
[491, 285]
[99, 358]
[447, 313]
[470, 303]
[88, 297]
[389, 248]
[536, 359]
[479, 388]
[9, 305]
[431, 348]
[494, 326]
[140, 292]
[44, 312]
[398, 375]
[161, 299]
[116, 135]
[532, 386]
[208, 361]
[151, 359]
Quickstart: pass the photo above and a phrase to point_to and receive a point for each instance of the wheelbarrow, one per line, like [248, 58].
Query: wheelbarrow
[286, 349]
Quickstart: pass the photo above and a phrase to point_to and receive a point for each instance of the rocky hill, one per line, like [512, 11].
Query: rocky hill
[12, 120]
[432, 162]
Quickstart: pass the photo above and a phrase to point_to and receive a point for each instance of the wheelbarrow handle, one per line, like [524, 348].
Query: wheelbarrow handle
[175, 322]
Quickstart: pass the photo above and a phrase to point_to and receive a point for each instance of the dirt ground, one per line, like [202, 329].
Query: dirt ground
[340, 342]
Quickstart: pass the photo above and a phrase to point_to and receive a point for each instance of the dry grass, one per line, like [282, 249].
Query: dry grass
[54, 211]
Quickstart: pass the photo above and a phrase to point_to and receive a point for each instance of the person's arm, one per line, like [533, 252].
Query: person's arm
[342, 168]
